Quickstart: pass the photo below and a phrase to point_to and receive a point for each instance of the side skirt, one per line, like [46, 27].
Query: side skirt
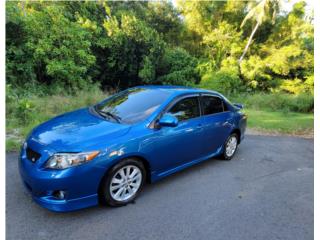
[157, 176]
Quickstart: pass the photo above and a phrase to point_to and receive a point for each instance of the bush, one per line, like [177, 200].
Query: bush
[178, 67]
[297, 86]
[224, 81]
[23, 112]
[277, 102]
[51, 48]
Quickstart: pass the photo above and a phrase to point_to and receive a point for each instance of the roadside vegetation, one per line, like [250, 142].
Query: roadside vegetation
[65, 55]
[272, 113]
[275, 122]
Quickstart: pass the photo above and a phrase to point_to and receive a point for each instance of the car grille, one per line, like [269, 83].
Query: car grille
[32, 155]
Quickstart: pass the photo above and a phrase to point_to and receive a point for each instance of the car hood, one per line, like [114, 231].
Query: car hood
[77, 130]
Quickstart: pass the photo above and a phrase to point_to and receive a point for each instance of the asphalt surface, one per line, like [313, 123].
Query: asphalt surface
[265, 192]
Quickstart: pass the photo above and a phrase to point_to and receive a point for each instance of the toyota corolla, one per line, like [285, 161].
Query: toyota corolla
[106, 152]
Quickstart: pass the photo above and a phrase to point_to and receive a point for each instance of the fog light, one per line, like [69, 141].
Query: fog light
[59, 194]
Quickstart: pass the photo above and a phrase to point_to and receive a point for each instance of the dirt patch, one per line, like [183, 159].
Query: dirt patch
[303, 134]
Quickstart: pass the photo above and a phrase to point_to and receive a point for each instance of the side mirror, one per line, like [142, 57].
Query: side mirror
[238, 105]
[168, 120]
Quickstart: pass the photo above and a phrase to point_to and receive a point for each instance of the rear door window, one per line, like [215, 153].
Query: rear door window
[212, 105]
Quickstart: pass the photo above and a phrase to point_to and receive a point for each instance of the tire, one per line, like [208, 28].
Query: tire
[118, 188]
[227, 152]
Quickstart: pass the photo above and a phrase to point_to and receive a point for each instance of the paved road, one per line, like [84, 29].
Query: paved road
[265, 192]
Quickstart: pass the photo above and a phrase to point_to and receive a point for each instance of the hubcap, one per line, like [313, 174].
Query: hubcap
[125, 183]
[231, 146]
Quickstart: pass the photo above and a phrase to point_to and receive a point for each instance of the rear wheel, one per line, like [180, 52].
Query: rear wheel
[123, 183]
[230, 146]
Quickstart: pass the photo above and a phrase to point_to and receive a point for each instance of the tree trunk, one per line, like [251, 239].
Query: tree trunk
[23, 8]
[249, 42]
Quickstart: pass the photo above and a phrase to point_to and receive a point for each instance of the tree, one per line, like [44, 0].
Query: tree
[177, 67]
[260, 13]
[165, 19]
[58, 49]
[285, 60]
[68, 45]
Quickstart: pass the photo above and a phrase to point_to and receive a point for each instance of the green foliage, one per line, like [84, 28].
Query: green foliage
[147, 72]
[224, 41]
[24, 112]
[18, 106]
[265, 111]
[226, 80]
[59, 54]
[132, 51]
[292, 86]
[19, 63]
[280, 53]
[63, 47]
[253, 72]
[178, 67]
[308, 85]
[13, 144]
[222, 81]
[58, 49]
[276, 102]
[165, 19]
[285, 60]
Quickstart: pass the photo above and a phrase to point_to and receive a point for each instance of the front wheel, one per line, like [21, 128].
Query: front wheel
[230, 146]
[122, 183]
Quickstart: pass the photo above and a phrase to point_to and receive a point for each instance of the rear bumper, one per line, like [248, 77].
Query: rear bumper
[243, 126]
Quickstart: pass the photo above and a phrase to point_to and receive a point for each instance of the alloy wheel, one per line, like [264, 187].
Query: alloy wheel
[231, 146]
[125, 183]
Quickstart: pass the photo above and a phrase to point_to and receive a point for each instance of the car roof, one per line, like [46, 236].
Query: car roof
[177, 90]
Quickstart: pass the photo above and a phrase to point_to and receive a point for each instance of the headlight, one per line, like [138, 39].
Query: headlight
[66, 160]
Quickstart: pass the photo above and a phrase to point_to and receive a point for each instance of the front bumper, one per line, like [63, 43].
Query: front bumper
[80, 183]
[67, 205]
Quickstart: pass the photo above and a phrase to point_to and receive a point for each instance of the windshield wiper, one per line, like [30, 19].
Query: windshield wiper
[109, 114]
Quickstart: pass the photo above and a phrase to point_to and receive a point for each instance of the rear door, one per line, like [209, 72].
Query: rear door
[217, 122]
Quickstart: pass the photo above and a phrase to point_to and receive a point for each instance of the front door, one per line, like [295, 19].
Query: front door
[175, 146]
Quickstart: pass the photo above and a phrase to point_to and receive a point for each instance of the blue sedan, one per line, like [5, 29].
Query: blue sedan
[105, 153]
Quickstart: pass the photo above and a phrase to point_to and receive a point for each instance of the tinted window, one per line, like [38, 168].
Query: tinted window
[212, 105]
[133, 105]
[186, 109]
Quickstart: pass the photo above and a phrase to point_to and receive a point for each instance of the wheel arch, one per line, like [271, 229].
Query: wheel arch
[140, 158]
[238, 132]
[145, 163]
[143, 160]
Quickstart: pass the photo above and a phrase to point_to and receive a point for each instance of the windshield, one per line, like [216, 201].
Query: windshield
[133, 105]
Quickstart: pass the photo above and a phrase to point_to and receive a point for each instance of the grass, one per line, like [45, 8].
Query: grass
[24, 113]
[276, 102]
[281, 122]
